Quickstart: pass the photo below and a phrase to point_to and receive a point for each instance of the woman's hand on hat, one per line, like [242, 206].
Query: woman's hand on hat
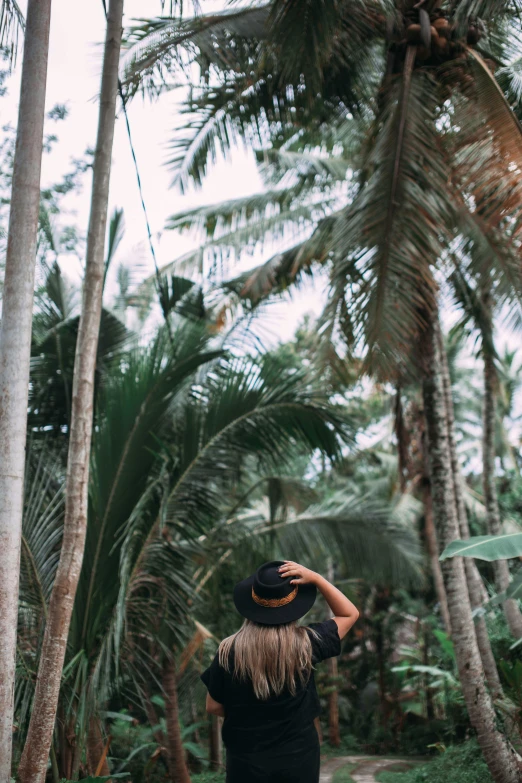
[300, 575]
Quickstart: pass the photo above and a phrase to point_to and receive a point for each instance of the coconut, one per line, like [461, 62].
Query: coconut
[441, 45]
[413, 33]
[473, 35]
[442, 26]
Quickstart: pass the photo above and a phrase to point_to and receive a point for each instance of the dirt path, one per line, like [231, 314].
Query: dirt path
[365, 770]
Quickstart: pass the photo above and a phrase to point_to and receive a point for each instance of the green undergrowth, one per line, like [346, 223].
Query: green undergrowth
[462, 763]
[343, 775]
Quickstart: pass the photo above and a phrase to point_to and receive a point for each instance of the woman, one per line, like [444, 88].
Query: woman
[261, 680]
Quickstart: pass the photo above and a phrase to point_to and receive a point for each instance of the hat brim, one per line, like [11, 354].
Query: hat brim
[273, 615]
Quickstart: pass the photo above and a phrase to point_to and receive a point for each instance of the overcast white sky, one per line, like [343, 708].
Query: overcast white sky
[77, 30]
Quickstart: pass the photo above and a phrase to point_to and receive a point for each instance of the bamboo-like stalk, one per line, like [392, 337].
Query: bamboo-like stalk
[15, 346]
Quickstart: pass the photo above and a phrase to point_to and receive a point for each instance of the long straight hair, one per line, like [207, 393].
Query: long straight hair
[273, 657]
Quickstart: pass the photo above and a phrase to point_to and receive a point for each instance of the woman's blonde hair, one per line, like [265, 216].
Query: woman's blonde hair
[273, 657]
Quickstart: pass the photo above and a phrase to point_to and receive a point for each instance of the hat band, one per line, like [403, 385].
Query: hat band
[274, 602]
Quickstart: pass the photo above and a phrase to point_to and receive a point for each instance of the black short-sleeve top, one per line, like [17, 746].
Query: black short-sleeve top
[253, 725]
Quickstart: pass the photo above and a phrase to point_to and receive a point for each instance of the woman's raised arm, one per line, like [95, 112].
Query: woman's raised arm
[345, 613]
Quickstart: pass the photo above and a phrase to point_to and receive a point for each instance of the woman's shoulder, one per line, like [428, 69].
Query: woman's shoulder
[325, 640]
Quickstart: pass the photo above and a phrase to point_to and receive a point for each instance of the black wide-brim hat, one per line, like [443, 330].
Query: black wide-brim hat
[268, 598]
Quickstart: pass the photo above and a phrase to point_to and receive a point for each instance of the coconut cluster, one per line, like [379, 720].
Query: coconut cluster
[435, 37]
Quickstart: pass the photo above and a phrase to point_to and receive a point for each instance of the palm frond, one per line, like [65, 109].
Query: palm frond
[156, 47]
[244, 411]
[499, 115]
[132, 408]
[308, 168]
[226, 216]
[116, 232]
[312, 36]
[12, 24]
[287, 268]
[41, 539]
[370, 538]
[486, 10]
[392, 235]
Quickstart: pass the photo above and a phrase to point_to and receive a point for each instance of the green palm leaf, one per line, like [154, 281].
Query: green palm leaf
[12, 24]
[393, 232]
[501, 547]
[131, 409]
[156, 47]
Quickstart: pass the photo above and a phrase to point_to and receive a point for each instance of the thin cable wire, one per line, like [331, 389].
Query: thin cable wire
[163, 295]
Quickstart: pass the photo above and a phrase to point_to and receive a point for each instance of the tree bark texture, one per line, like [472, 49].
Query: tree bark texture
[500, 757]
[477, 591]
[215, 748]
[176, 754]
[34, 758]
[96, 749]
[15, 346]
[433, 554]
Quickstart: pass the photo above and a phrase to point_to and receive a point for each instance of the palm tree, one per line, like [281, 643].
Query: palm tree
[15, 334]
[441, 159]
[477, 298]
[34, 759]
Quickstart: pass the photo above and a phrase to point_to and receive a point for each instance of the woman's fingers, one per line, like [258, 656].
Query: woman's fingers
[299, 581]
[288, 565]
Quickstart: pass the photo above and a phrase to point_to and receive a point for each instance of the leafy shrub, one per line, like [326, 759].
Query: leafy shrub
[462, 763]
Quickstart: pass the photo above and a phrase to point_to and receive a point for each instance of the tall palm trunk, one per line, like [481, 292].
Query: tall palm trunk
[499, 756]
[433, 554]
[15, 346]
[34, 758]
[215, 750]
[177, 765]
[96, 749]
[476, 590]
[502, 576]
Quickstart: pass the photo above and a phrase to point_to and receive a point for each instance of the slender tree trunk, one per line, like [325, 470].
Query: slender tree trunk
[498, 754]
[177, 765]
[501, 567]
[34, 758]
[433, 553]
[334, 737]
[215, 750]
[65, 746]
[96, 749]
[476, 590]
[194, 716]
[15, 346]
